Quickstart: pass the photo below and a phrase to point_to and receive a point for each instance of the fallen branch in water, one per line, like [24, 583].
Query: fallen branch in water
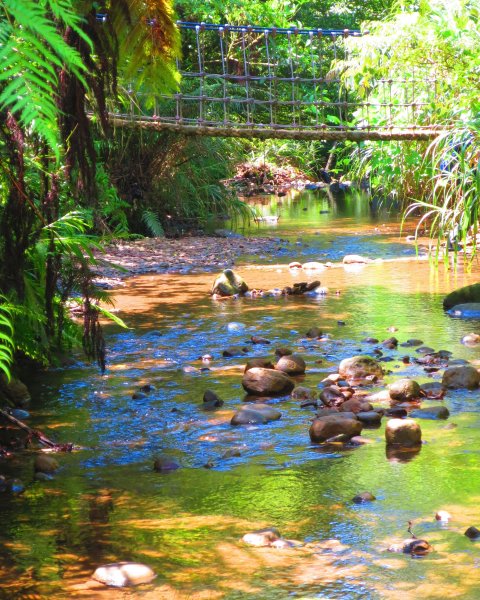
[34, 433]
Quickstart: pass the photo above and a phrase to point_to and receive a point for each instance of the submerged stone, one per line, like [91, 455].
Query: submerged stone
[255, 414]
[363, 498]
[431, 412]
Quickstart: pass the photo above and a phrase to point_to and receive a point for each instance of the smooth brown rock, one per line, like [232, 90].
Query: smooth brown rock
[267, 382]
[461, 377]
[332, 396]
[403, 432]
[292, 364]
[323, 429]
[404, 390]
[359, 367]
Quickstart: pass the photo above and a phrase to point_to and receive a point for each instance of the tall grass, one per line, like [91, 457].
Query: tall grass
[450, 204]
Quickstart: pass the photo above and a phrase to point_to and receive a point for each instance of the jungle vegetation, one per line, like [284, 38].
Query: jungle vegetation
[69, 182]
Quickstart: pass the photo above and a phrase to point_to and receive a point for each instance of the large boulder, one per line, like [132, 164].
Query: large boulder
[403, 432]
[461, 377]
[469, 293]
[404, 390]
[255, 414]
[330, 426]
[267, 382]
[359, 367]
[229, 283]
[292, 364]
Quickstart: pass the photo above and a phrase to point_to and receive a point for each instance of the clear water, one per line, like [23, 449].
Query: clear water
[106, 504]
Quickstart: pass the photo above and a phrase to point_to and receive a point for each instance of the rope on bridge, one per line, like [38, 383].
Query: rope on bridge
[249, 81]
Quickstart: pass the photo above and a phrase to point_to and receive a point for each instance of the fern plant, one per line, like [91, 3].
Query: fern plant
[32, 51]
[7, 344]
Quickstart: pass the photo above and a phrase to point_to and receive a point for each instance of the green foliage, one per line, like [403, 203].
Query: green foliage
[436, 41]
[148, 43]
[111, 211]
[32, 51]
[7, 344]
[451, 204]
[152, 223]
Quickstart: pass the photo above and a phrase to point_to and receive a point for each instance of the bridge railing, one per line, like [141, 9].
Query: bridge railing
[249, 81]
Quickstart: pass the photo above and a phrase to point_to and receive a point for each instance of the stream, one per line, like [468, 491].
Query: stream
[107, 504]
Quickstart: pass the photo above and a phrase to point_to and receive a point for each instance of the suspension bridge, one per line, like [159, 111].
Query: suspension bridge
[254, 82]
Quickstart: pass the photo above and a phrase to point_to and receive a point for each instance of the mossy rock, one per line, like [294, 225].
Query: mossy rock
[464, 295]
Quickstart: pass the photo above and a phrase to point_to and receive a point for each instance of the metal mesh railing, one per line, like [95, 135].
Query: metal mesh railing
[275, 82]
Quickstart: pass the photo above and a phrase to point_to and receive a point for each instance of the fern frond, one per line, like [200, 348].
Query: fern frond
[31, 53]
[152, 223]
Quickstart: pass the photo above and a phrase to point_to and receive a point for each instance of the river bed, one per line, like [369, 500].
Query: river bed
[106, 503]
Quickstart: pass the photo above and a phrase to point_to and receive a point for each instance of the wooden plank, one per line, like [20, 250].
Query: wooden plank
[356, 135]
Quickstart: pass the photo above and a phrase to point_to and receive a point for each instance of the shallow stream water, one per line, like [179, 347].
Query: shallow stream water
[106, 503]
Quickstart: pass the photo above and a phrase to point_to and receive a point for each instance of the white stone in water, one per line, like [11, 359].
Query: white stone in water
[443, 516]
[122, 574]
[234, 326]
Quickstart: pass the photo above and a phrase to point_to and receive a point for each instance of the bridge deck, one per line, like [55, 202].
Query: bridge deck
[265, 132]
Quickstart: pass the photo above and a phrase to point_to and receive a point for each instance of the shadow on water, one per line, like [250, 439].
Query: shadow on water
[106, 503]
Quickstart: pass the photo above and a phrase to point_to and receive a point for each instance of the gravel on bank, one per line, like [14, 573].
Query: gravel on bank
[201, 254]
